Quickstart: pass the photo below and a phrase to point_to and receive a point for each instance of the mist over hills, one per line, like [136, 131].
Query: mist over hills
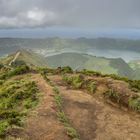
[59, 43]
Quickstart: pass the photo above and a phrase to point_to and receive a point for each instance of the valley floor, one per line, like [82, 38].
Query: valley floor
[90, 116]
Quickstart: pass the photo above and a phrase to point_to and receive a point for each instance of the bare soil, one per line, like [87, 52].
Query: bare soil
[42, 123]
[94, 119]
[90, 115]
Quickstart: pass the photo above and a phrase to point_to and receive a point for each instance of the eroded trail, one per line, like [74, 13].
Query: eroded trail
[94, 119]
[42, 123]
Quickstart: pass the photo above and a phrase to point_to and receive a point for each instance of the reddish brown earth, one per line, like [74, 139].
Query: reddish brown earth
[91, 116]
[95, 119]
[42, 123]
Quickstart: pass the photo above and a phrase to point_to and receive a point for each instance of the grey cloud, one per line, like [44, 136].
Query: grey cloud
[70, 13]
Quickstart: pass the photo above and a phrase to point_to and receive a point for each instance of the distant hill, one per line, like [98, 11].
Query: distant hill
[8, 45]
[25, 56]
[83, 61]
[135, 65]
[76, 61]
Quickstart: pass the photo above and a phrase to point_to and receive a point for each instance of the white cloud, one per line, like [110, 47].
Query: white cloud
[31, 18]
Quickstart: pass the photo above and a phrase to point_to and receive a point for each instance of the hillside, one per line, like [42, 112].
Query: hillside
[24, 56]
[135, 65]
[76, 61]
[10, 45]
[82, 61]
[61, 104]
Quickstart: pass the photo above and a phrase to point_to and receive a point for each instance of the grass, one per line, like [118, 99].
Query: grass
[62, 117]
[79, 82]
[70, 131]
[113, 95]
[7, 73]
[134, 84]
[75, 81]
[134, 104]
[17, 97]
[131, 101]
[91, 87]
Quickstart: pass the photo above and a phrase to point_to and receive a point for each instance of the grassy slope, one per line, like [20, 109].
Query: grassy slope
[81, 61]
[18, 94]
[77, 62]
[28, 57]
[135, 65]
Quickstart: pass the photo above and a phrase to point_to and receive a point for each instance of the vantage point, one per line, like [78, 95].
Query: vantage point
[65, 104]
[69, 70]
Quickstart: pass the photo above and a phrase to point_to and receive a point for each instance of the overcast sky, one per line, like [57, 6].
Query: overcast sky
[84, 14]
[77, 13]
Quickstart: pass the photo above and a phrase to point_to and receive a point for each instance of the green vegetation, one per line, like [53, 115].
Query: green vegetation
[79, 62]
[134, 103]
[25, 57]
[134, 84]
[79, 82]
[18, 63]
[90, 73]
[71, 132]
[1, 66]
[16, 98]
[91, 87]
[76, 61]
[113, 95]
[75, 81]
[7, 73]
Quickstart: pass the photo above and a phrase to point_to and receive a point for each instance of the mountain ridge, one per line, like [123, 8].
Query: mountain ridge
[76, 61]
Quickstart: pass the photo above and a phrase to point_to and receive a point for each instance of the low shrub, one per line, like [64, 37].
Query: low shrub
[134, 103]
[66, 69]
[113, 95]
[75, 81]
[1, 66]
[72, 133]
[90, 73]
[5, 74]
[16, 97]
[79, 82]
[18, 70]
[91, 87]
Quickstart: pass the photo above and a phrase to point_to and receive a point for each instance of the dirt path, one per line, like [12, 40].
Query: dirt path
[42, 124]
[96, 120]
[16, 56]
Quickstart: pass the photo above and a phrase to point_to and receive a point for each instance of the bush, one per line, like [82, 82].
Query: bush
[3, 126]
[90, 73]
[16, 97]
[75, 81]
[18, 63]
[91, 87]
[134, 103]
[1, 82]
[1, 66]
[113, 95]
[18, 70]
[66, 69]
[72, 133]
